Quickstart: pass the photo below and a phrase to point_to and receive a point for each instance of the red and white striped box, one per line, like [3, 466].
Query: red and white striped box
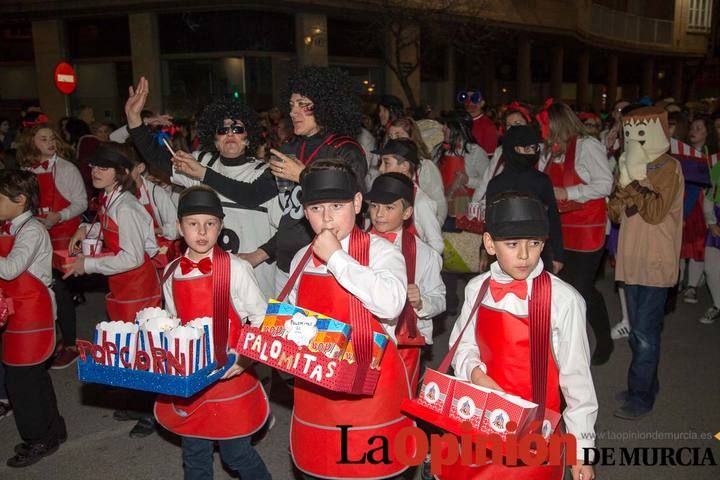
[500, 409]
[436, 392]
[550, 422]
[468, 403]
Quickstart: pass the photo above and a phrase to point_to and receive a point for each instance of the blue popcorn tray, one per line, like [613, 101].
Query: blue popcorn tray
[178, 386]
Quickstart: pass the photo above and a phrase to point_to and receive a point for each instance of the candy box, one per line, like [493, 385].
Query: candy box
[378, 349]
[61, 259]
[468, 403]
[331, 338]
[436, 391]
[550, 423]
[500, 409]
[297, 341]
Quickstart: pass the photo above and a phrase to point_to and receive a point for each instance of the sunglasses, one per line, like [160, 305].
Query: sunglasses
[472, 97]
[235, 129]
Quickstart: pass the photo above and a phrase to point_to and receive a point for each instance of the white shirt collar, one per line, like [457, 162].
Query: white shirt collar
[497, 273]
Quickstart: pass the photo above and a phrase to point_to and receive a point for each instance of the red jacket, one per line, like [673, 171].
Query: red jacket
[485, 134]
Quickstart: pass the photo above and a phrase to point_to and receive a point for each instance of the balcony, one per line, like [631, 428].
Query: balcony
[626, 27]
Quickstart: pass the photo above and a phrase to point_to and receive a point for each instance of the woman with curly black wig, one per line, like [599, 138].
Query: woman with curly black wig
[326, 114]
[228, 132]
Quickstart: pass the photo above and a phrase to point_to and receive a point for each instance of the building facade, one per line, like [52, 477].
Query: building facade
[587, 52]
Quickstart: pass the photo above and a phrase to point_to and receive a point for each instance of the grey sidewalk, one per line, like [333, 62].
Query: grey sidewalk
[99, 447]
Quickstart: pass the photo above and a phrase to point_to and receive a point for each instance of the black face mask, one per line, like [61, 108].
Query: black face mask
[521, 161]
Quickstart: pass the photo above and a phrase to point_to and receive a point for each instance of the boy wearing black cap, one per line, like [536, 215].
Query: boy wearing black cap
[521, 151]
[360, 279]
[391, 206]
[524, 312]
[400, 155]
[231, 410]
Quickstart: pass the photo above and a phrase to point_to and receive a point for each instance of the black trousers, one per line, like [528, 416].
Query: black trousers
[580, 270]
[66, 319]
[32, 397]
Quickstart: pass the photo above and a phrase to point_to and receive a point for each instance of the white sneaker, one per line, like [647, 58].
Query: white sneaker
[712, 314]
[690, 295]
[620, 330]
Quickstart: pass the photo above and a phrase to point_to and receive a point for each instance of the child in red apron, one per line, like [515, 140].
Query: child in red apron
[401, 156]
[63, 200]
[28, 339]
[126, 230]
[495, 350]
[360, 279]
[158, 203]
[235, 407]
[391, 206]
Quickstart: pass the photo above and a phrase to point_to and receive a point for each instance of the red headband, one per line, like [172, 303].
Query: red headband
[516, 107]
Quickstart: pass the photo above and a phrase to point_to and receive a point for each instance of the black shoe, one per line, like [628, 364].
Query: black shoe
[33, 454]
[127, 415]
[602, 355]
[630, 411]
[144, 427]
[24, 447]
[261, 434]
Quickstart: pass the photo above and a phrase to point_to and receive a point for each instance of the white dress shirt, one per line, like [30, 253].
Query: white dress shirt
[163, 208]
[31, 252]
[69, 183]
[569, 346]
[430, 181]
[381, 286]
[135, 231]
[426, 222]
[245, 296]
[428, 264]
[591, 165]
[253, 227]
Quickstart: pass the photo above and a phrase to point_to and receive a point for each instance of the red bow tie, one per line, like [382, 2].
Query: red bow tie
[317, 261]
[389, 236]
[5, 228]
[187, 265]
[499, 290]
[45, 164]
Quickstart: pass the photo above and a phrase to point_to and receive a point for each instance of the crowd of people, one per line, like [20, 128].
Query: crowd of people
[358, 199]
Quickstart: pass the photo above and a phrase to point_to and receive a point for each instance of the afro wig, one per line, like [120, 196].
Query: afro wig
[335, 95]
[215, 114]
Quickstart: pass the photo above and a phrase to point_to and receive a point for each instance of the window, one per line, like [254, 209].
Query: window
[700, 15]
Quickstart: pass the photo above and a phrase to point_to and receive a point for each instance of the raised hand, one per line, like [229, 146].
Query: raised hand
[136, 102]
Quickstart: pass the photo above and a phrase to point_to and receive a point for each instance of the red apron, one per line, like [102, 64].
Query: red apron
[583, 229]
[315, 439]
[450, 164]
[51, 200]
[133, 290]
[29, 336]
[232, 408]
[504, 343]
[161, 260]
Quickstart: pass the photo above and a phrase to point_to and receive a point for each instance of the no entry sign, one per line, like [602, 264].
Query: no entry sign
[65, 79]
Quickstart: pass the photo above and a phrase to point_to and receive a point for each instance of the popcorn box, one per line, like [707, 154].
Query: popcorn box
[61, 259]
[437, 391]
[92, 371]
[500, 409]
[468, 403]
[331, 338]
[296, 341]
[378, 350]
[550, 423]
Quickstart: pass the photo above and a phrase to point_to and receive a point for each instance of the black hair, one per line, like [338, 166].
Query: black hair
[460, 124]
[14, 183]
[215, 114]
[335, 96]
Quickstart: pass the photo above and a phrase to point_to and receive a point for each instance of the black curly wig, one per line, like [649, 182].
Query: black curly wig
[213, 116]
[335, 95]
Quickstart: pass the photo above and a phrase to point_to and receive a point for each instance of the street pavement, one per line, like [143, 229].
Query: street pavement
[98, 447]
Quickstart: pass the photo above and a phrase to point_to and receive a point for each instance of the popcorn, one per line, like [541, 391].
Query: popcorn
[331, 339]
[206, 325]
[378, 349]
[119, 342]
[185, 345]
